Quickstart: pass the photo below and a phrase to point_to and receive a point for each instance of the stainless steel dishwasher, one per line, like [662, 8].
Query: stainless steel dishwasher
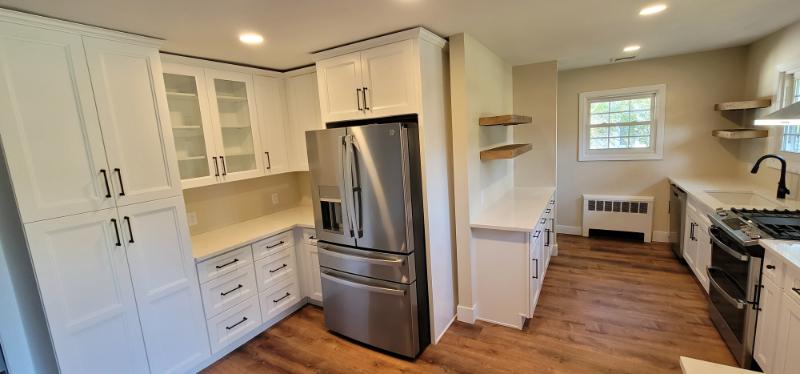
[677, 213]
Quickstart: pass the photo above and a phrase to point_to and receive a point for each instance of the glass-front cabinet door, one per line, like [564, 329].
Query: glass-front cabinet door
[233, 115]
[191, 125]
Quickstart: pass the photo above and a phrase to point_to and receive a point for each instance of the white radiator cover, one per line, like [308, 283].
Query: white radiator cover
[618, 213]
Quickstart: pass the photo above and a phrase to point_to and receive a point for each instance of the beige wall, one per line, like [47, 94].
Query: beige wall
[225, 204]
[761, 78]
[536, 95]
[480, 85]
[695, 82]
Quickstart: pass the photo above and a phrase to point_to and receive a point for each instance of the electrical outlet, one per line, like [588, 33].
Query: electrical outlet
[191, 217]
[275, 199]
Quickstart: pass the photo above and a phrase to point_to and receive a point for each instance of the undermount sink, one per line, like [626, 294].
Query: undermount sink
[743, 199]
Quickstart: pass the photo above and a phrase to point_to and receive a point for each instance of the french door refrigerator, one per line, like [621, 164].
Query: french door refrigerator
[366, 193]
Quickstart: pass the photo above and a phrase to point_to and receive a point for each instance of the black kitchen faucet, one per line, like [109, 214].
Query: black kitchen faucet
[782, 190]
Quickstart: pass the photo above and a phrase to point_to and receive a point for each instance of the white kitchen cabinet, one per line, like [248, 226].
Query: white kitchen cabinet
[55, 157]
[376, 82]
[233, 116]
[697, 244]
[85, 285]
[767, 327]
[156, 237]
[311, 281]
[787, 361]
[194, 137]
[304, 115]
[272, 123]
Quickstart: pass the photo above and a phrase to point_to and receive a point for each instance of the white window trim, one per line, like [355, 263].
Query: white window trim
[655, 152]
[776, 133]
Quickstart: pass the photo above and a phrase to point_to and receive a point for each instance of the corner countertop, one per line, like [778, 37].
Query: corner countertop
[212, 243]
[517, 210]
[787, 249]
[695, 366]
[698, 187]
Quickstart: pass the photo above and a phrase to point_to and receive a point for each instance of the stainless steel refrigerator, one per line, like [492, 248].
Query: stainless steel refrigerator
[366, 193]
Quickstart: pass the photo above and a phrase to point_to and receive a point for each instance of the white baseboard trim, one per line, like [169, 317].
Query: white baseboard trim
[466, 314]
[569, 230]
[439, 337]
[661, 236]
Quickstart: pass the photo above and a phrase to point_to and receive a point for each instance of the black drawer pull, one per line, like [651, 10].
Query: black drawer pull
[542, 220]
[771, 267]
[547, 211]
[224, 168]
[282, 297]
[537, 233]
[216, 166]
[121, 186]
[235, 260]
[275, 245]
[234, 289]
[795, 289]
[278, 269]
[236, 324]
[105, 179]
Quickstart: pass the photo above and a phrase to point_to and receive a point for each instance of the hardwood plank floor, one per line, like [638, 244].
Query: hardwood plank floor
[607, 306]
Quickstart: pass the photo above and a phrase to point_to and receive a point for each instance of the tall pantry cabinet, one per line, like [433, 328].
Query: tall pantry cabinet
[86, 137]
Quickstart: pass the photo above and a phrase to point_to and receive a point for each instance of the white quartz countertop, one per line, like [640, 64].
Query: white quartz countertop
[695, 366]
[787, 249]
[699, 188]
[212, 243]
[517, 210]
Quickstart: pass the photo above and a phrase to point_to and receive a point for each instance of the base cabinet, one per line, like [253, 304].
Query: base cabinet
[778, 330]
[697, 243]
[787, 361]
[312, 281]
[767, 326]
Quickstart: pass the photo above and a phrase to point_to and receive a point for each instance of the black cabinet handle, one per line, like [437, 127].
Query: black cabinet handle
[105, 179]
[358, 98]
[236, 324]
[364, 92]
[235, 260]
[116, 230]
[130, 231]
[691, 231]
[795, 289]
[278, 269]
[269, 163]
[547, 237]
[121, 186]
[537, 268]
[537, 233]
[229, 291]
[282, 297]
[216, 166]
[771, 267]
[541, 220]
[547, 211]
[275, 245]
[224, 169]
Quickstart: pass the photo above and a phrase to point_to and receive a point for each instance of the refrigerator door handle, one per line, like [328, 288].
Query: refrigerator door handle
[355, 182]
[345, 185]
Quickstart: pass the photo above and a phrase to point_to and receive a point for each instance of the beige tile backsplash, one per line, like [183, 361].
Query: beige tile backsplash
[225, 204]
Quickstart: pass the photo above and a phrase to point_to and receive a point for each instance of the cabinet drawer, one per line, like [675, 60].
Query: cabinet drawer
[224, 264]
[273, 244]
[275, 268]
[280, 297]
[228, 290]
[773, 267]
[234, 323]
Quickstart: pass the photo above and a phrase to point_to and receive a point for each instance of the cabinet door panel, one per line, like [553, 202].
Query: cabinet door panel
[271, 105]
[48, 124]
[131, 103]
[786, 359]
[388, 74]
[702, 252]
[234, 118]
[87, 295]
[191, 125]
[165, 281]
[313, 277]
[339, 88]
[303, 103]
[766, 333]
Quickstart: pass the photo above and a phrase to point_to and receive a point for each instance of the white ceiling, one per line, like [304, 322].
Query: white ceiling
[577, 33]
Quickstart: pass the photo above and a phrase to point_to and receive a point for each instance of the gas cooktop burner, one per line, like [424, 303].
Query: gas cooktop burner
[779, 224]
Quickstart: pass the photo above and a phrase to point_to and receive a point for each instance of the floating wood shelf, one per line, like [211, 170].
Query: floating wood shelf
[506, 120]
[739, 105]
[740, 133]
[505, 151]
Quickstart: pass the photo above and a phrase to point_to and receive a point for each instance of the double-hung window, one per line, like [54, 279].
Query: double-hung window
[789, 94]
[623, 124]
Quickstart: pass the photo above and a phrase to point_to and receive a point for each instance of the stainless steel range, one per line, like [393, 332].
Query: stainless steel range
[735, 271]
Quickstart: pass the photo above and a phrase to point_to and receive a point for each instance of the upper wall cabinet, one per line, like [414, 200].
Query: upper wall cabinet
[376, 82]
[134, 120]
[271, 106]
[303, 104]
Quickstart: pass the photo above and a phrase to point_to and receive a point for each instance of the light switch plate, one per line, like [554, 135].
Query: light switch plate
[191, 217]
[275, 198]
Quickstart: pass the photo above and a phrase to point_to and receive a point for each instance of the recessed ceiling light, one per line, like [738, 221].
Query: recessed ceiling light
[250, 38]
[631, 48]
[652, 9]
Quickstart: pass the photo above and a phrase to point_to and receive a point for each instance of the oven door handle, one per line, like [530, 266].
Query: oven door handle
[738, 303]
[737, 255]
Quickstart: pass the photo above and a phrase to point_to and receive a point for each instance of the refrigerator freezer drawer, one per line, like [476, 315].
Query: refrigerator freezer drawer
[378, 313]
[385, 266]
